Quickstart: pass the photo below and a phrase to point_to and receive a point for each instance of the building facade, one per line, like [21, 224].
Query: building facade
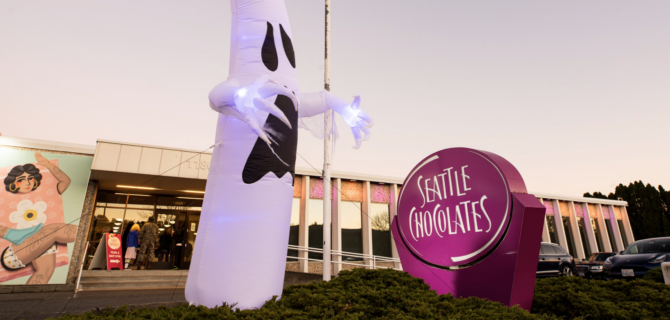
[129, 183]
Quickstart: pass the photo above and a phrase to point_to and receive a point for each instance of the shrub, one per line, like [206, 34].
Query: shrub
[355, 294]
[655, 275]
[592, 299]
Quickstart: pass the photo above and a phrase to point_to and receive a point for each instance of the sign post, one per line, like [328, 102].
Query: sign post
[468, 227]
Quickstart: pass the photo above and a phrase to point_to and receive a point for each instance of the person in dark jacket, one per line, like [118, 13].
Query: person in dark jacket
[178, 239]
[164, 245]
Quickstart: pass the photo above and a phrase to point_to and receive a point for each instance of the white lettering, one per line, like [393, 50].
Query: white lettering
[467, 216]
[418, 222]
[458, 223]
[475, 215]
[451, 189]
[463, 175]
[438, 221]
[444, 186]
[410, 223]
[481, 205]
[427, 217]
[418, 182]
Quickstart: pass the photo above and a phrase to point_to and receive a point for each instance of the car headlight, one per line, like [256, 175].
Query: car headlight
[658, 259]
[596, 267]
[608, 260]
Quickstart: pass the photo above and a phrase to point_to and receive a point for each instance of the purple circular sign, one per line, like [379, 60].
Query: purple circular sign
[454, 208]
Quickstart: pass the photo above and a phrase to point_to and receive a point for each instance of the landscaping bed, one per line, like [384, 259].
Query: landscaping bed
[389, 294]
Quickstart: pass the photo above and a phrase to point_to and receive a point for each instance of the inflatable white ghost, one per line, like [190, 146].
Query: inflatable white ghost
[240, 251]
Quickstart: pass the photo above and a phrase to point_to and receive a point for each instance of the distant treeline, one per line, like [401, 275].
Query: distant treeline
[647, 208]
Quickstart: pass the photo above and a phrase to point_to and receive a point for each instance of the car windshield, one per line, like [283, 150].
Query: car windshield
[649, 246]
[602, 256]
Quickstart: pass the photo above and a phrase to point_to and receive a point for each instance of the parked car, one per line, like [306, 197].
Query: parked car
[554, 261]
[640, 257]
[593, 268]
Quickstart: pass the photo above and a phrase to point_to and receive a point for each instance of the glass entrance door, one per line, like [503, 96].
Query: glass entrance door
[192, 224]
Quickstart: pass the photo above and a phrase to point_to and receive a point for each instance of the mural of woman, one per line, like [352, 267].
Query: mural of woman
[30, 240]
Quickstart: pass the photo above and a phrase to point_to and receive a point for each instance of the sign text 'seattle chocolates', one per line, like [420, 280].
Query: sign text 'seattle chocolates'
[466, 225]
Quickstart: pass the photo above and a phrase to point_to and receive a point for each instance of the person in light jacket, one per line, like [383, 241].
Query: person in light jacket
[132, 244]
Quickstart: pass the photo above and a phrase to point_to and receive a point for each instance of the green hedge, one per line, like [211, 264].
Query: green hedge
[357, 294]
[389, 294]
[655, 275]
[594, 299]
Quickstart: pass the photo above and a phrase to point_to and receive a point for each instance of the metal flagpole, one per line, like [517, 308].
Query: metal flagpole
[327, 146]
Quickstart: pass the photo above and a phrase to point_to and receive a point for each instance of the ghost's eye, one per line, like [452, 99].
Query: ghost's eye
[288, 46]
[269, 51]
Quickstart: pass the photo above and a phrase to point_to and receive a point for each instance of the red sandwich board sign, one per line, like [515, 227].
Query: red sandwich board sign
[114, 253]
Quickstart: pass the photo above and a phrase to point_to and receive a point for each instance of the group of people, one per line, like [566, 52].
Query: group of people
[145, 237]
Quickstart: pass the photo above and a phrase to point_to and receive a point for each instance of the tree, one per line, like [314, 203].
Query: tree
[647, 208]
[381, 222]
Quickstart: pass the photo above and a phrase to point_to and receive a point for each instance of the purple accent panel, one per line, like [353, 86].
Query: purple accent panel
[579, 211]
[606, 211]
[549, 204]
[315, 188]
[380, 193]
[466, 226]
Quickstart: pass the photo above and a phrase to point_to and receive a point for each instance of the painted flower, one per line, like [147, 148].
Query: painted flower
[28, 214]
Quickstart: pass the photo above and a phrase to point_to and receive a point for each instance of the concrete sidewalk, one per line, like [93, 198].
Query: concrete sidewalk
[54, 304]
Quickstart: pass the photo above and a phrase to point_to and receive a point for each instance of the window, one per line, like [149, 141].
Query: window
[294, 233]
[380, 221]
[599, 238]
[315, 225]
[560, 250]
[610, 231]
[548, 250]
[551, 226]
[585, 239]
[649, 246]
[568, 235]
[352, 231]
[623, 233]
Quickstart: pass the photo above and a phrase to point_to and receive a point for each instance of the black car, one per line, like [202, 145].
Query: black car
[554, 261]
[640, 257]
[593, 268]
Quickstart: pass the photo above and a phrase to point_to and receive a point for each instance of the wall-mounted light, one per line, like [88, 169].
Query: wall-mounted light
[135, 187]
[161, 229]
[193, 191]
[172, 221]
[117, 223]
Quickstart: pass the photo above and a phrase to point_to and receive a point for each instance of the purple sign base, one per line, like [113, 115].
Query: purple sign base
[507, 275]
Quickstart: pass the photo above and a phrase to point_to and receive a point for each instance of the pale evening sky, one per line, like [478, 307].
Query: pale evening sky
[575, 94]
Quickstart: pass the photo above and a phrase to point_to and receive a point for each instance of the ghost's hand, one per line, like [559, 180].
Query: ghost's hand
[243, 102]
[359, 121]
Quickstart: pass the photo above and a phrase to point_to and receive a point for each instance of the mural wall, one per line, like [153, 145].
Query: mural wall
[41, 200]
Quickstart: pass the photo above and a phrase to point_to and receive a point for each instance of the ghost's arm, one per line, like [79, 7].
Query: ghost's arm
[315, 103]
[242, 103]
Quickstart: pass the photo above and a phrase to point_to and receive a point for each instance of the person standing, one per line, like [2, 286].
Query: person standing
[131, 240]
[147, 241]
[165, 244]
[178, 240]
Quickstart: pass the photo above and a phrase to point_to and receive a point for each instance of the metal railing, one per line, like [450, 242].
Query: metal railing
[369, 261]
